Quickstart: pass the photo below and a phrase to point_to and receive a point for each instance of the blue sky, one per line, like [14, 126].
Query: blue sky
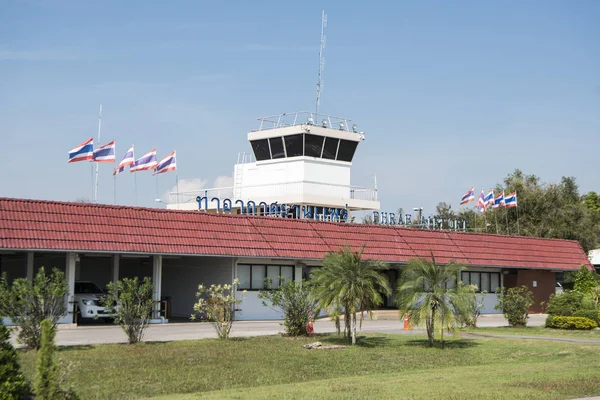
[450, 94]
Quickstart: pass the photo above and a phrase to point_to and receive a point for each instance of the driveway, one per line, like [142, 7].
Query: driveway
[69, 335]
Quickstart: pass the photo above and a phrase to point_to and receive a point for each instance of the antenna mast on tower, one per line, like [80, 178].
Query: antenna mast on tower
[321, 62]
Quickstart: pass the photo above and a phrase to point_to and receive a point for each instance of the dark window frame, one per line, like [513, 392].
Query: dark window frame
[250, 289]
[489, 285]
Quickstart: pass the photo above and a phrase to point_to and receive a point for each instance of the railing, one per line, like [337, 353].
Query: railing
[256, 192]
[306, 118]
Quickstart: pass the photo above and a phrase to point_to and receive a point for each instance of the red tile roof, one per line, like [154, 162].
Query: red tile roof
[51, 225]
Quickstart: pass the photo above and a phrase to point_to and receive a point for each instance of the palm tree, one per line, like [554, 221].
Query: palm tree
[423, 293]
[346, 281]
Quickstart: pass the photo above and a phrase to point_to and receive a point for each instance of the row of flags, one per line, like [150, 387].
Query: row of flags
[484, 201]
[106, 153]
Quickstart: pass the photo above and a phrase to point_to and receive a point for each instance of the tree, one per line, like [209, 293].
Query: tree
[549, 210]
[585, 280]
[346, 280]
[424, 293]
[218, 304]
[13, 385]
[133, 301]
[28, 303]
[296, 302]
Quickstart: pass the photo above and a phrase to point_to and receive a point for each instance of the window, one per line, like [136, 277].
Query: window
[330, 148]
[252, 277]
[277, 147]
[313, 145]
[261, 149]
[485, 281]
[294, 145]
[346, 150]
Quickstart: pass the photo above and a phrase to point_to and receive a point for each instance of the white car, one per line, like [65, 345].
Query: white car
[87, 297]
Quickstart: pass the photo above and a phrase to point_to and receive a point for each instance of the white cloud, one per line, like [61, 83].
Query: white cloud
[223, 181]
[186, 191]
[190, 188]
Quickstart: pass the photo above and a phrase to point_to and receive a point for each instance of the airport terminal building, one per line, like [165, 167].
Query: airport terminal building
[180, 249]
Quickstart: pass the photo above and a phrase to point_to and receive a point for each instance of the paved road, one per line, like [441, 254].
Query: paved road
[99, 334]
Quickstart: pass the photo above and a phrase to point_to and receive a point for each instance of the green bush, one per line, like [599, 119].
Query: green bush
[565, 304]
[134, 305]
[13, 384]
[294, 300]
[589, 314]
[28, 303]
[515, 303]
[561, 322]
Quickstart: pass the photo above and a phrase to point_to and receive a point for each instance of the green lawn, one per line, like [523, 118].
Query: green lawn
[539, 331]
[381, 366]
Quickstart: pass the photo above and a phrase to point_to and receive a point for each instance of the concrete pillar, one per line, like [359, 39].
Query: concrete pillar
[70, 275]
[115, 269]
[157, 282]
[30, 256]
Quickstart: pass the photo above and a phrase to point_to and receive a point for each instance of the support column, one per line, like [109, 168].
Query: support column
[30, 256]
[115, 269]
[70, 275]
[157, 282]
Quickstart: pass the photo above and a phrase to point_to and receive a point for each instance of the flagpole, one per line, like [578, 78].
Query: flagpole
[496, 218]
[517, 207]
[99, 126]
[177, 189]
[507, 227]
[135, 185]
[157, 186]
[114, 189]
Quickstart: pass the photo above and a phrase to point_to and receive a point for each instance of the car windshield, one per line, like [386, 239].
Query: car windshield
[87, 287]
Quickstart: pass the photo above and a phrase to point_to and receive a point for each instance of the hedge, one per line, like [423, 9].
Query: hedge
[560, 322]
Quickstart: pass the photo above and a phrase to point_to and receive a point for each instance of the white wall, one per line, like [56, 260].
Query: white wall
[489, 301]
[251, 306]
[181, 277]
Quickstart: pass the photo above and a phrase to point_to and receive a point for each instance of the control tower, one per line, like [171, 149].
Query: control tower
[300, 159]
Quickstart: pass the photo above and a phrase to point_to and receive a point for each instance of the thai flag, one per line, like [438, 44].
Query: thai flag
[145, 162]
[469, 196]
[481, 202]
[511, 200]
[127, 160]
[489, 198]
[166, 164]
[105, 153]
[83, 152]
[499, 200]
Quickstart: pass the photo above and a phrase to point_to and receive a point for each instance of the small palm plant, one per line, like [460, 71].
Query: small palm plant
[348, 282]
[426, 292]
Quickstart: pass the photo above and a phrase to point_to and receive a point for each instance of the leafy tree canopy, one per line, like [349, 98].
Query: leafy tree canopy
[549, 210]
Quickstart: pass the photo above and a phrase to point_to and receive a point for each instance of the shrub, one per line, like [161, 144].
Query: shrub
[295, 301]
[585, 280]
[562, 322]
[565, 304]
[467, 305]
[133, 300]
[515, 303]
[13, 384]
[219, 308]
[28, 303]
[49, 383]
[589, 314]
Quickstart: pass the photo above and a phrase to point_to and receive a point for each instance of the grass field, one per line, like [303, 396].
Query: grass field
[539, 331]
[381, 366]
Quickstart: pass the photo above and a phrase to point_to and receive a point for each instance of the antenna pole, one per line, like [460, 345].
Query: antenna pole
[99, 126]
[321, 62]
